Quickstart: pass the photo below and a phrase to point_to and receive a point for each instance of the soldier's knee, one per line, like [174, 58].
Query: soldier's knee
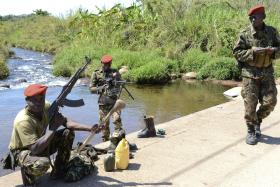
[69, 134]
[39, 167]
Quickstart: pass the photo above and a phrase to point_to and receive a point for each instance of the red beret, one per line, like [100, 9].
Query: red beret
[106, 59]
[35, 89]
[256, 10]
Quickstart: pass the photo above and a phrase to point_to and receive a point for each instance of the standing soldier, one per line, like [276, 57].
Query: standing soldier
[102, 83]
[256, 48]
[32, 143]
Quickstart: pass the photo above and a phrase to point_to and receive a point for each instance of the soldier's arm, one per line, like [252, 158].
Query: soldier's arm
[42, 143]
[93, 85]
[276, 46]
[242, 52]
[72, 125]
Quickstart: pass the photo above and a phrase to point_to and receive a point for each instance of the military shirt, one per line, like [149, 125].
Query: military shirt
[109, 95]
[256, 65]
[27, 129]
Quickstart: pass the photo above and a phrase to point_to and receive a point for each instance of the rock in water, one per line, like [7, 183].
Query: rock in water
[233, 92]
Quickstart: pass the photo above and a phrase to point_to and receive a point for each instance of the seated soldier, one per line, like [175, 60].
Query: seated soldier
[32, 142]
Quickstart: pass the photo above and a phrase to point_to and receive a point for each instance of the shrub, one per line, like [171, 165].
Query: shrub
[194, 60]
[220, 68]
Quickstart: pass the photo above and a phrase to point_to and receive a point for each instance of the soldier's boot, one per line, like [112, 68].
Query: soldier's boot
[106, 134]
[258, 129]
[27, 180]
[116, 137]
[149, 130]
[251, 138]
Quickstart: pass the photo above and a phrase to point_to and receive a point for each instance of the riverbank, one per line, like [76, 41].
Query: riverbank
[152, 39]
[206, 148]
[4, 71]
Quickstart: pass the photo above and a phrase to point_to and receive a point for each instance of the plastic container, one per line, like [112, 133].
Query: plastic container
[122, 154]
[109, 162]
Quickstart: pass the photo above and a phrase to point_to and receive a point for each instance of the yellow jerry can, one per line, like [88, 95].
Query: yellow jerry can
[122, 154]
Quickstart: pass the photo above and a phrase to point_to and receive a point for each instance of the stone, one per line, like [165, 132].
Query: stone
[123, 69]
[5, 85]
[189, 75]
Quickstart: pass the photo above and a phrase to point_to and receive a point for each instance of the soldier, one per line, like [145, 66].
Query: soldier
[108, 94]
[32, 143]
[256, 48]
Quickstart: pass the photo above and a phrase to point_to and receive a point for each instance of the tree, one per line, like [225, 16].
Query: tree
[40, 12]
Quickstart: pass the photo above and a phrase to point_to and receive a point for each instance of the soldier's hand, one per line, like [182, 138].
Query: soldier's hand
[94, 128]
[102, 88]
[270, 50]
[258, 50]
[58, 120]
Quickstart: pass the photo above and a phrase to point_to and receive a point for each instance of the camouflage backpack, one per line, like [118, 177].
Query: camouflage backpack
[80, 164]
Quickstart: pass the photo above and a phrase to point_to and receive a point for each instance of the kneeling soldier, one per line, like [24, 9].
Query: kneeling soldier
[32, 143]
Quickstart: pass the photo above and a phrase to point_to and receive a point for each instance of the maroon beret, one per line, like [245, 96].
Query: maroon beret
[256, 10]
[106, 59]
[35, 89]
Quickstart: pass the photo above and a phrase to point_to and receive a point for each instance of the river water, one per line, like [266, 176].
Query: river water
[165, 102]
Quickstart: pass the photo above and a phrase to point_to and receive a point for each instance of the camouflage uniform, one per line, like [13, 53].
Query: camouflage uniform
[26, 131]
[257, 72]
[106, 100]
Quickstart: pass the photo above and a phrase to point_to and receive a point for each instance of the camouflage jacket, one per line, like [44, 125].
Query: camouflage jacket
[109, 95]
[257, 65]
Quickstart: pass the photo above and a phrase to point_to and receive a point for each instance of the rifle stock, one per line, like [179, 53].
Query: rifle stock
[119, 105]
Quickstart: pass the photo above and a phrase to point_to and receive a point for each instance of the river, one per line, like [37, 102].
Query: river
[165, 102]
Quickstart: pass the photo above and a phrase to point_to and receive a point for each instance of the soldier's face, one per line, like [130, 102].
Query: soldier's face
[36, 103]
[106, 67]
[257, 20]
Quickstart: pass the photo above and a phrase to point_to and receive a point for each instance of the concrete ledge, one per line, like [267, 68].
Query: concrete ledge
[206, 148]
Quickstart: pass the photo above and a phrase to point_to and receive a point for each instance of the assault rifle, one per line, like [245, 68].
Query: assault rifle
[61, 100]
[113, 82]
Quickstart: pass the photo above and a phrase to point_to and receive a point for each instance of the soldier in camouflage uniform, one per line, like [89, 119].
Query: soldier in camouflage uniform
[108, 94]
[256, 48]
[32, 143]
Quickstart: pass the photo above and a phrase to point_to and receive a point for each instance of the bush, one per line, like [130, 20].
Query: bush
[4, 71]
[152, 72]
[194, 60]
[223, 68]
[277, 68]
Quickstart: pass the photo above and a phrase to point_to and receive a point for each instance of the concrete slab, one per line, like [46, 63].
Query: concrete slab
[206, 148]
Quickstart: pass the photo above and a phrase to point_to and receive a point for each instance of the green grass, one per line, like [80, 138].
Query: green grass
[154, 40]
[4, 71]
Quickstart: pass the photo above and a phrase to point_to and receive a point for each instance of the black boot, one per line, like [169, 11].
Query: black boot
[149, 130]
[258, 131]
[251, 136]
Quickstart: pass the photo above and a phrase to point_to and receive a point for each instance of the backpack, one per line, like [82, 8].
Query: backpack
[80, 164]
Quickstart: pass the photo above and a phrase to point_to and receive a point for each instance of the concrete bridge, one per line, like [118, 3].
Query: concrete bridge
[206, 148]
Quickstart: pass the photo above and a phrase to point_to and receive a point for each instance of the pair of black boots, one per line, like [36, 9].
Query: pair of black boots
[254, 134]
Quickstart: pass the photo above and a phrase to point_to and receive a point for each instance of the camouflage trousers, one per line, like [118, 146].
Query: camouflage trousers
[116, 119]
[34, 166]
[256, 91]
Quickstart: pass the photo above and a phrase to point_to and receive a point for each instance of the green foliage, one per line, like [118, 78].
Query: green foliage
[4, 71]
[40, 12]
[277, 68]
[220, 68]
[183, 35]
[144, 66]
[152, 72]
[194, 60]
[40, 33]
